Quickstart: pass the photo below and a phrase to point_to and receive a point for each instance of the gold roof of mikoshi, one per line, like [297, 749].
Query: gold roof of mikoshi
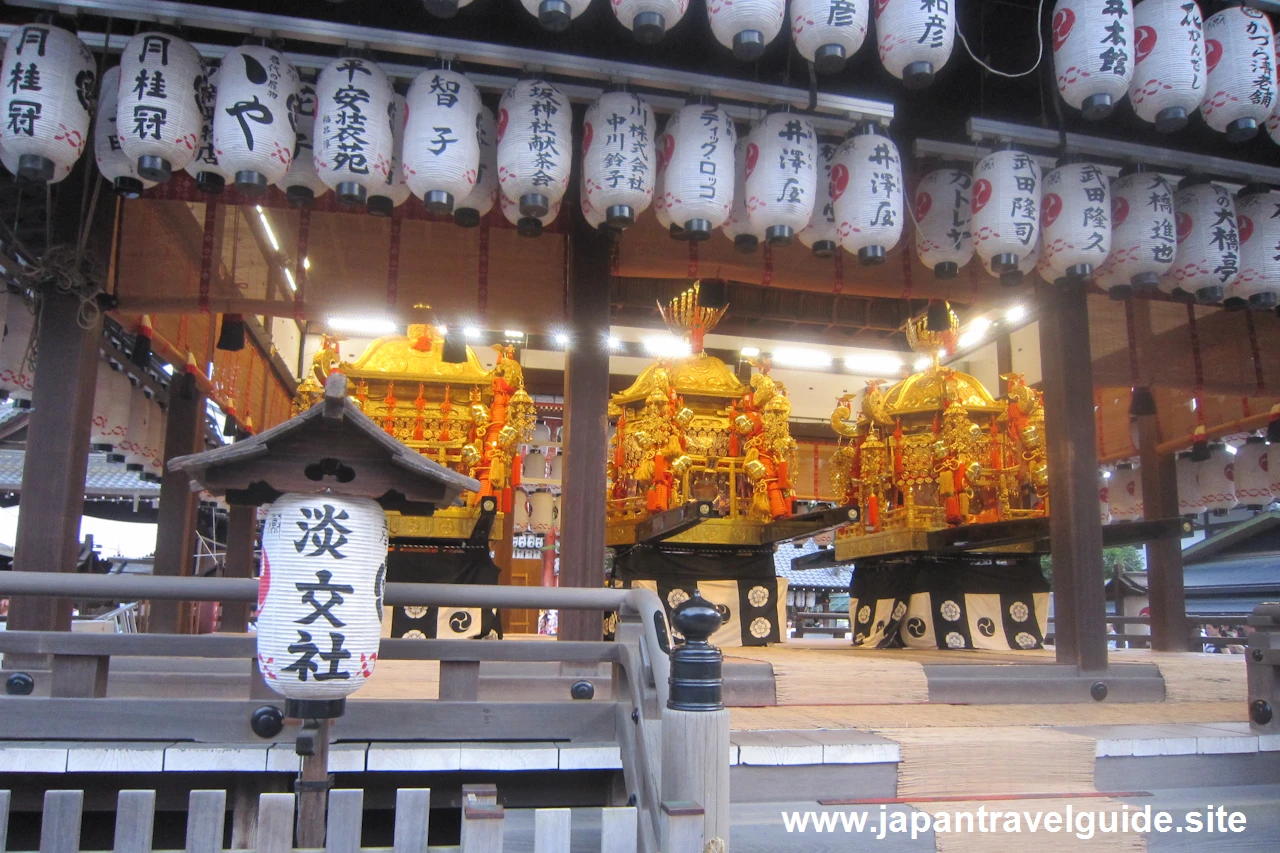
[936, 387]
[417, 357]
[698, 375]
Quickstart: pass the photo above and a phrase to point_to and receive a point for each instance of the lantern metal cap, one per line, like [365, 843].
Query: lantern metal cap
[349, 192]
[1263, 301]
[779, 235]
[946, 270]
[1120, 292]
[554, 15]
[1242, 130]
[379, 205]
[748, 45]
[1004, 262]
[314, 709]
[918, 75]
[1210, 295]
[824, 248]
[1097, 107]
[535, 205]
[676, 232]
[438, 201]
[529, 226]
[210, 183]
[649, 27]
[441, 8]
[1234, 303]
[620, 215]
[35, 168]
[127, 187]
[746, 243]
[466, 217]
[251, 182]
[1079, 272]
[697, 230]
[300, 196]
[1171, 119]
[829, 59]
[870, 256]
[153, 168]
[1145, 281]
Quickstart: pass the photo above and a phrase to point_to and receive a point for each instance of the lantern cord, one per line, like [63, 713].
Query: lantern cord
[1039, 49]
[813, 87]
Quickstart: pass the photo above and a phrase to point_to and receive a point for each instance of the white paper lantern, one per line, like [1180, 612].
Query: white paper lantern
[700, 172]
[1075, 218]
[467, 212]
[17, 379]
[396, 188]
[1125, 494]
[1006, 209]
[134, 445]
[158, 112]
[664, 147]
[1252, 479]
[1239, 47]
[353, 139]
[153, 442]
[49, 82]
[866, 184]
[1217, 479]
[594, 217]
[1258, 286]
[527, 226]
[822, 235]
[1143, 234]
[324, 566]
[204, 166]
[781, 175]
[301, 183]
[112, 392]
[746, 26]
[1207, 260]
[943, 207]
[114, 165]
[1093, 53]
[441, 143]
[618, 157]
[542, 513]
[520, 512]
[1168, 68]
[915, 38]
[746, 236]
[649, 20]
[828, 32]
[535, 465]
[1104, 508]
[535, 146]
[1190, 498]
[254, 123]
[555, 15]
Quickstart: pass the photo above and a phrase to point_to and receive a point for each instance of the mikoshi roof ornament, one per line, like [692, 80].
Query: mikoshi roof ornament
[1258, 286]
[618, 157]
[162, 122]
[649, 20]
[1240, 54]
[1093, 53]
[1006, 208]
[301, 183]
[1075, 218]
[1252, 479]
[915, 38]
[745, 235]
[746, 26]
[700, 170]
[205, 167]
[1207, 260]
[781, 175]
[441, 142]
[1124, 493]
[829, 32]
[866, 185]
[468, 212]
[1169, 67]
[535, 146]
[1143, 233]
[253, 118]
[943, 208]
[352, 146]
[555, 15]
[50, 80]
[116, 166]
[396, 188]
[821, 235]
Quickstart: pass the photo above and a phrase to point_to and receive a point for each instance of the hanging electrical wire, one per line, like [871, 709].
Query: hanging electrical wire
[1011, 75]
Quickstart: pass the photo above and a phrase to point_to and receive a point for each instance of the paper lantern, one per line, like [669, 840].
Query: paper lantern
[17, 379]
[595, 218]
[535, 465]
[301, 183]
[618, 157]
[112, 392]
[542, 512]
[556, 514]
[135, 441]
[441, 143]
[1125, 493]
[661, 198]
[468, 211]
[700, 169]
[746, 26]
[254, 128]
[1239, 47]
[822, 235]
[1143, 234]
[1006, 209]
[353, 139]
[160, 122]
[1104, 508]
[114, 165]
[866, 185]
[324, 566]
[1190, 498]
[1258, 285]
[1216, 476]
[534, 146]
[395, 190]
[739, 228]
[204, 166]
[1251, 475]
[1168, 65]
[555, 15]
[915, 38]
[828, 32]
[527, 226]
[1075, 219]
[1093, 53]
[649, 20]
[49, 82]
[445, 8]
[520, 512]
[541, 432]
[1207, 260]
[943, 208]
[781, 175]
[557, 467]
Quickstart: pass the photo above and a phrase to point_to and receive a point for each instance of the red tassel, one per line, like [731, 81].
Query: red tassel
[873, 513]
[517, 470]
[507, 501]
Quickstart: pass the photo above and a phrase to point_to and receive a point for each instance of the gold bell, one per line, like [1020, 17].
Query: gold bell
[973, 471]
[939, 449]
[755, 469]
[684, 417]
[508, 436]
[1030, 435]
[681, 465]
[1040, 476]
[743, 424]
[469, 454]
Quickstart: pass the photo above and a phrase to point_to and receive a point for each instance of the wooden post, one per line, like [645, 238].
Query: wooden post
[1165, 592]
[206, 815]
[481, 826]
[242, 530]
[312, 789]
[1075, 529]
[586, 439]
[683, 829]
[1004, 360]
[413, 820]
[135, 821]
[60, 823]
[176, 522]
[551, 829]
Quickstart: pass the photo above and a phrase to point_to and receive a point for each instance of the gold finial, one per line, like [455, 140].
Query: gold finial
[922, 340]
[687, 317]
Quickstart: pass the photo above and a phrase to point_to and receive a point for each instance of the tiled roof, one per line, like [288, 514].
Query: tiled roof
[835, 577]
[103, 479]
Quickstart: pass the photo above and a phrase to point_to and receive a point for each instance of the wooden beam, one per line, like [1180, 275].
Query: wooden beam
[1165, 591]
[242, 530]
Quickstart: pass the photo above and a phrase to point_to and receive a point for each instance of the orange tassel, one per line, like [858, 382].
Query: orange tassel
[517, 470]
[873, 513]
[784, 481]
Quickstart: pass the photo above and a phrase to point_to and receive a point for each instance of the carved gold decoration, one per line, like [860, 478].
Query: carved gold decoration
[448, 523]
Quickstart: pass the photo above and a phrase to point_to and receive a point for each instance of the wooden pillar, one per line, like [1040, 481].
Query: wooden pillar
[1075, 530]
[1004, 360]
[176, 522]
[242, 531]
[1168, 600]
[586, 437]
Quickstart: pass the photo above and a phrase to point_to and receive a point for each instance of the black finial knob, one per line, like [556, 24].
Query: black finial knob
[267, 721]
[19, 684]
[1260, 712]
[696, 677]
[1098, 690]
[582, 690]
